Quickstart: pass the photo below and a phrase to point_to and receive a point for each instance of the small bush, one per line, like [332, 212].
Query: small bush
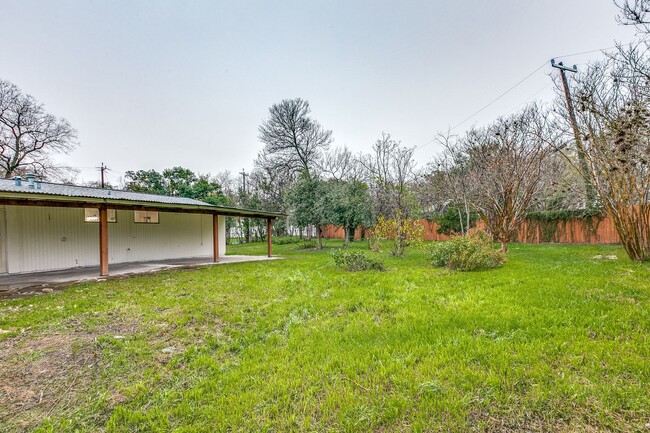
[472, 252]
[285, 240]
[306, 245]
[356, 261]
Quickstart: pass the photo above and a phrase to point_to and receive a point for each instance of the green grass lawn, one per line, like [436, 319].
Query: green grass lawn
[555, 340]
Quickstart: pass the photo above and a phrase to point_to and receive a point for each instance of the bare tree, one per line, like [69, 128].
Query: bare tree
[390, 174]
[390, 171]
[613, 108]
[272, 186]
[564, 186]
[635, 13]
[225, 179]
[504, 163]
[451, 168]
[341, 165]
[294, 142]
[28, 135]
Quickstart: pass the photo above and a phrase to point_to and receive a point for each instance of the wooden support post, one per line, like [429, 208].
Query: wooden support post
[103, 241]
[269, 226]
[215, 236]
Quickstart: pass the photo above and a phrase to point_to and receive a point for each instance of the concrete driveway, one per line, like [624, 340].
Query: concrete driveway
[36, 283]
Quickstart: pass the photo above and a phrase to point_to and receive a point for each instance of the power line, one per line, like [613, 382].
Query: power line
[491, 102]
[530, 97]
[519, 83]
[594, 51]
[501, 95]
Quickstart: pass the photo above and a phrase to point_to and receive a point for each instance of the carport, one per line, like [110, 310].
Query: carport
[47, 226]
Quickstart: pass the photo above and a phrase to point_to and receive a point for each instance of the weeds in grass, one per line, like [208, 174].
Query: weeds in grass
[552, 341]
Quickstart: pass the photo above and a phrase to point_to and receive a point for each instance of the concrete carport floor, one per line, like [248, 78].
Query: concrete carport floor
[38, 283]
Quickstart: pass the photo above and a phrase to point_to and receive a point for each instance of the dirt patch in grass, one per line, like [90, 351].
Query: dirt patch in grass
[48, 374]
[53, 374]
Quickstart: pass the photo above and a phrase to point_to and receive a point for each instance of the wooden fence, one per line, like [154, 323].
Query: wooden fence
[593, 230]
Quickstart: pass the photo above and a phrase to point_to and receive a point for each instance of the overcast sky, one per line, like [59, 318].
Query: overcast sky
[154, 84]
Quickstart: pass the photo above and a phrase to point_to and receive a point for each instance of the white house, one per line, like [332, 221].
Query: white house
[48, 226]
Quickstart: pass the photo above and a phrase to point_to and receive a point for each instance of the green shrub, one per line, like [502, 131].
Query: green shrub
[305, 245]
[472, 252]
[285, 240]
[356, 261]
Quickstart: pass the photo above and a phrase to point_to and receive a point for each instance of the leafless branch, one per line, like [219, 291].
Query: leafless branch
[29, 135]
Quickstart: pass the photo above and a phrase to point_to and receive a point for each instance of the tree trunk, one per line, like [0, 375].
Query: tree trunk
[346, 244]
[504, 247]
[320, 238]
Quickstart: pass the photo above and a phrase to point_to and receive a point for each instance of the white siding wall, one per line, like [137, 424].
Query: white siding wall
[48, 238]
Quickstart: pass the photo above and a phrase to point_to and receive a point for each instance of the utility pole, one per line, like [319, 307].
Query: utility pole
[103, 169]
[584, 167]
[247, 221]
[243, 175]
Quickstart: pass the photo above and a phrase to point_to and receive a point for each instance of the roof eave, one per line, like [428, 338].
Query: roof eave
[32, 198]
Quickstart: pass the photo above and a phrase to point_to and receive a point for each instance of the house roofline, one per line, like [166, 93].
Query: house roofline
[52, 200]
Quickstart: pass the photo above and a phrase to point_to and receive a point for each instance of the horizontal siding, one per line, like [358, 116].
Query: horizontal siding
[48, 238]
